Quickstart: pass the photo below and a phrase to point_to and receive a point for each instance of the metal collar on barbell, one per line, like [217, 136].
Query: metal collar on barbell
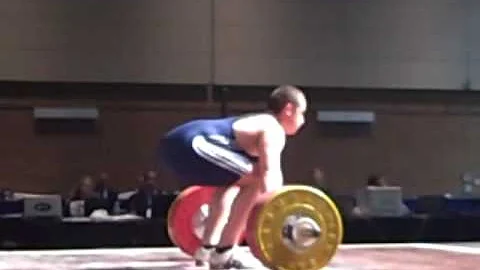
[300, 232]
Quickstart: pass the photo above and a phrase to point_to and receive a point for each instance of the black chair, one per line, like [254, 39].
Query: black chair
[432, 205]
[345, 204]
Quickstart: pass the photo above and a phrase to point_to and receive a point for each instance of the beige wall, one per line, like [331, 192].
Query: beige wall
[119, 41]
[374, 43]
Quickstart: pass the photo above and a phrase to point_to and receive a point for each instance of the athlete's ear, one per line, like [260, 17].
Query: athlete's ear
[288, 109]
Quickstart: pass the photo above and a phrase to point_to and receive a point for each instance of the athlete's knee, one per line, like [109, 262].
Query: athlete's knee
[254, 183]
[227, 196]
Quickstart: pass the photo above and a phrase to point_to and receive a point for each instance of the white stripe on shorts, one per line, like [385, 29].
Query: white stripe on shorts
[221, 157]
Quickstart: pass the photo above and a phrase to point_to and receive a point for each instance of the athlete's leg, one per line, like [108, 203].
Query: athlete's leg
[219, 211]
[218, 214]
[224, 255]
[250, 189]
[238, 189]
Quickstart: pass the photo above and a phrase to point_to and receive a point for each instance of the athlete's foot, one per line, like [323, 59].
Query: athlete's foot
[202, 256]
[232, 258]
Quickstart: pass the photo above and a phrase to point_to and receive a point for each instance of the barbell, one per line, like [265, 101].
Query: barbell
[295, 227]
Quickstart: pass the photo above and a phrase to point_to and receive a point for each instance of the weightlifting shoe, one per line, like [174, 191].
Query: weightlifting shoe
[202, 256]
[232, 259]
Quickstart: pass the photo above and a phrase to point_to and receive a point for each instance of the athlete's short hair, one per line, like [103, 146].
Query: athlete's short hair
[285, 94]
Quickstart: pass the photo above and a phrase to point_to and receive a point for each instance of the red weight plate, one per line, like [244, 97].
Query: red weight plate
[180, 217]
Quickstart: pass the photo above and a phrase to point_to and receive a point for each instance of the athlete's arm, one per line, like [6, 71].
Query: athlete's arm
[271, 143]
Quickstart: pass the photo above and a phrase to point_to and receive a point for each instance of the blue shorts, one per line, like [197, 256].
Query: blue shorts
[200, 161]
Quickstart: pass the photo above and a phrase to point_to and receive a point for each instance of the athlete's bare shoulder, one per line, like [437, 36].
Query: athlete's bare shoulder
[253, 131]
[259, 122]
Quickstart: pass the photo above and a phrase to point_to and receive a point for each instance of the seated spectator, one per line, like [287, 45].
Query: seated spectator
[125, 198]
[7, 194]
[142, 201]
[84, 190]
[320, 180]
[151, 176]
[374, 180]
[105, 193]
[79, 202]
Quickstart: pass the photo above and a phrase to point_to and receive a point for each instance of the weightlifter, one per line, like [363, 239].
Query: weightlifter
[241, 156]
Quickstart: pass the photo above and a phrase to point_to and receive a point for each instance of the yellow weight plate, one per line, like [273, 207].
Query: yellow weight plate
[297, 227]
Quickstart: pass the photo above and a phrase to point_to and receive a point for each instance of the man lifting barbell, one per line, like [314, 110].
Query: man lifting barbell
[294, 227]
[241, 156]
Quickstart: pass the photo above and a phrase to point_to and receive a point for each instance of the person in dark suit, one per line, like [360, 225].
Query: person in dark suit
[142, 201]
[107, 197]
